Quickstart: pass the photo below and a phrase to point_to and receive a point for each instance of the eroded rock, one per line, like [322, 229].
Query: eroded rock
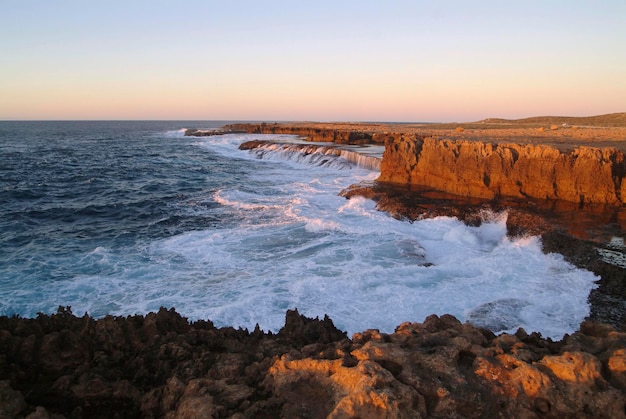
[161, 365]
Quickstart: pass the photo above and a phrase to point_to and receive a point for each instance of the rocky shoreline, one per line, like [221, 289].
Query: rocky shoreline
[586, 237]
[161, 365]
[587, 229]
[488, 159]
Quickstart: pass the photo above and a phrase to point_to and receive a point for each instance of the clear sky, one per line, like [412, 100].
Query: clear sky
[311, 60]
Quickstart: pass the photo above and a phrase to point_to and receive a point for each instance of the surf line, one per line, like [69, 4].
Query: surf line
[341, 157]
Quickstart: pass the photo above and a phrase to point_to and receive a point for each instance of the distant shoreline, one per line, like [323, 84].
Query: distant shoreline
[562, 133]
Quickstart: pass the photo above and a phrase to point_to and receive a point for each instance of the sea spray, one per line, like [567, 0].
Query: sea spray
[238, 237]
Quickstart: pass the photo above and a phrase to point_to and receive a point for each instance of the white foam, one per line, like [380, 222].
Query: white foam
[302, 246]
[242, 200]
[319, 154]
[179, 133]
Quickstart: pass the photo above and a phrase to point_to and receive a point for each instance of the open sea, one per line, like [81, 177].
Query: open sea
[122, 218]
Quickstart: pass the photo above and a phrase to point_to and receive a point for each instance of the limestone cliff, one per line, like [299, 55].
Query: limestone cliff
[489, 170]
[481, 165]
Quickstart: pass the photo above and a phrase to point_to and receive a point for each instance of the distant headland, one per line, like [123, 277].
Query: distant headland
[577, 159]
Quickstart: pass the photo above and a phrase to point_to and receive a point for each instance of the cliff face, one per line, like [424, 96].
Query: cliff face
[476, 168]
[486, 170]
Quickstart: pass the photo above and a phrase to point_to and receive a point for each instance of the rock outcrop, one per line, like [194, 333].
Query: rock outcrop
[474, 164]
[354, 135]
[161, 365]
[486, 170]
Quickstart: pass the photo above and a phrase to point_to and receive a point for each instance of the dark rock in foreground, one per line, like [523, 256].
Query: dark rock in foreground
[161, 365]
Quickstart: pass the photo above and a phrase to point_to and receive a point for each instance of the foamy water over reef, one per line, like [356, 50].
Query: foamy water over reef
[554, 184]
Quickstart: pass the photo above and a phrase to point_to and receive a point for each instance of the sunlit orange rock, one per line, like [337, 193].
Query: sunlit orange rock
[489, 170]
[504, 161]
[575, 367]
[617, 367]
[329, 389]
[162, 366]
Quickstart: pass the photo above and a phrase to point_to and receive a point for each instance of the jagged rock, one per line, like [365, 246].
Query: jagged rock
[161, 365]
[326, 388]
[302, 331]
[617, 367]
[11, 401]
[42, 413]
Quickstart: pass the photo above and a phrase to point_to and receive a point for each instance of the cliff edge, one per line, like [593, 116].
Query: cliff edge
[527, 158]
[488, 170]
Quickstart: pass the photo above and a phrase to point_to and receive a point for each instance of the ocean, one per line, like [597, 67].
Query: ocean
[122, 218]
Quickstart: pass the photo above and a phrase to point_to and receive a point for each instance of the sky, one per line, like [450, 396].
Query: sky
[410, 61]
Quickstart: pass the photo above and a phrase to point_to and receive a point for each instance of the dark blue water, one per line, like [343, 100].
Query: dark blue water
[125, 217]
[68, 187]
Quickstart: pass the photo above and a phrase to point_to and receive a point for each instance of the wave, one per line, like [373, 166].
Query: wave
[317, 155]
[202, 226]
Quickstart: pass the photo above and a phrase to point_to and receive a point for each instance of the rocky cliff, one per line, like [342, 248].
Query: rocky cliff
[472, 163]
[163, 366]
[488, 170]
